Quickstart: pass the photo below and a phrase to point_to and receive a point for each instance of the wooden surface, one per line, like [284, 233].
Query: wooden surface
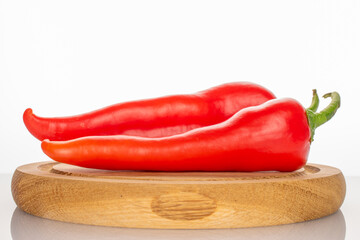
[189, 200]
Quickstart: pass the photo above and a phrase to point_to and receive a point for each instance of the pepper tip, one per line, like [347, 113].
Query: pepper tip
[27, 112]
[44, 144]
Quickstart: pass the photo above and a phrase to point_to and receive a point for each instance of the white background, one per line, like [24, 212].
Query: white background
[72, 56]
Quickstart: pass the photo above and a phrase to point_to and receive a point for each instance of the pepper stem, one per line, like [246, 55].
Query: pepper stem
[317, 119]
[315, 102]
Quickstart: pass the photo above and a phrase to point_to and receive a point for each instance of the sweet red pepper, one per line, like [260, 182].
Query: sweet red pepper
[157, 117]
[273, 136]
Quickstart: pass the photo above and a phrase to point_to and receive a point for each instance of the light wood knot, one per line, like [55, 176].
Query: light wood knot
[183, 206]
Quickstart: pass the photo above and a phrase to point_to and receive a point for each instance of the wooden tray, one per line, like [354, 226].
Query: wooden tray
[179, 200]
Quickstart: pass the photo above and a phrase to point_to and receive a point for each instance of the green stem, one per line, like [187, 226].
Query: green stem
[315, 102]
[317, 119]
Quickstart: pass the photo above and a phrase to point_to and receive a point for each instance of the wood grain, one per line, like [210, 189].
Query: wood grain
[179, 200]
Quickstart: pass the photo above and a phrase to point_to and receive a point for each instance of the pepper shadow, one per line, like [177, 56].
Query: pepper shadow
[25, 226]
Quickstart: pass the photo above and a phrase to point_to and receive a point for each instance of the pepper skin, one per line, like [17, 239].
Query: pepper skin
[273, 136]
[159, 117]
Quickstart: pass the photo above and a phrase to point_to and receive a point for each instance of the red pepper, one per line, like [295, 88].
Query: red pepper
[273, 136]
[157, 117]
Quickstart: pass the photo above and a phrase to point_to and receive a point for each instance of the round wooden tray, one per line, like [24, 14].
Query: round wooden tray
[178, 200]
